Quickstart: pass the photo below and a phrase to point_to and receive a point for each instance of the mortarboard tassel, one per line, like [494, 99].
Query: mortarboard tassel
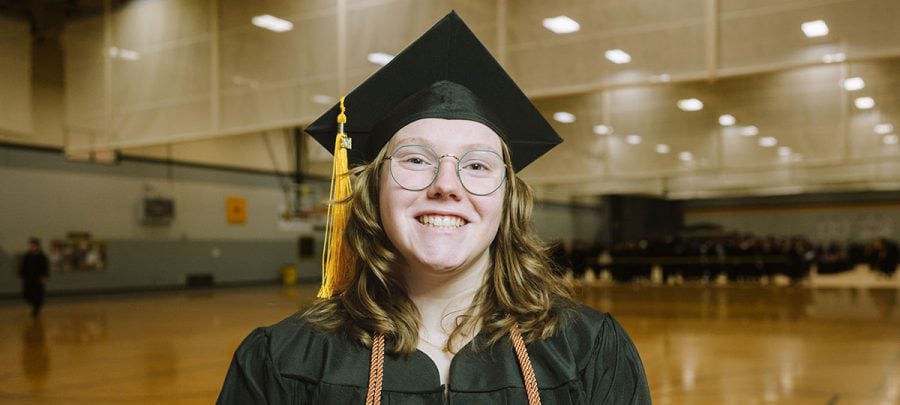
[337, 264]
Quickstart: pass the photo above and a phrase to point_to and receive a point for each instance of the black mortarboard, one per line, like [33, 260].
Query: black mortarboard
[446, 73]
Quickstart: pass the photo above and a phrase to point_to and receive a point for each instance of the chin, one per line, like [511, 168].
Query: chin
[442, 266]
[450, 261]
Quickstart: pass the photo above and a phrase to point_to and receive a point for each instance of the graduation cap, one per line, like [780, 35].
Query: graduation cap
[446, 73]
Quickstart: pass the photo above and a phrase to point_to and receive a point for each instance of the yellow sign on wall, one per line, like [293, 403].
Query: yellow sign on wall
[236, 210]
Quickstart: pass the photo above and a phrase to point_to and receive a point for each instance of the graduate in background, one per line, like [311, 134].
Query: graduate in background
[435, 288]
[34, 272]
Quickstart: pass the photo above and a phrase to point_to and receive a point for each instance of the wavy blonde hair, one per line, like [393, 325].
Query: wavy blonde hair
[522, 285]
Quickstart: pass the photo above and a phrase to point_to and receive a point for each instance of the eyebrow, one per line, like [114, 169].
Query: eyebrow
[467, 147]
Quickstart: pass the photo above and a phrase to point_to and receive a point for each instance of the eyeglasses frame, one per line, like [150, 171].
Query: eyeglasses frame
[437, 169]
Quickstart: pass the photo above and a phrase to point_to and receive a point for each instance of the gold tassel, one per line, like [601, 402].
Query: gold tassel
[337, 263]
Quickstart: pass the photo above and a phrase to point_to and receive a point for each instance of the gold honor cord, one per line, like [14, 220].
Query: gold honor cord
[376, 368]
[337, 264]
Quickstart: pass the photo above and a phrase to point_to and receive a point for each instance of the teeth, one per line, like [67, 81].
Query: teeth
[442, 221]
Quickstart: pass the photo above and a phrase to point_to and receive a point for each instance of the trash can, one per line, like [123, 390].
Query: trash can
[289, 274]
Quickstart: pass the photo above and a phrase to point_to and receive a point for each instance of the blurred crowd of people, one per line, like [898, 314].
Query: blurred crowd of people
[735, 257]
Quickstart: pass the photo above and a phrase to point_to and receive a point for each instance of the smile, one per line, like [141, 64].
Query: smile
[441, 221]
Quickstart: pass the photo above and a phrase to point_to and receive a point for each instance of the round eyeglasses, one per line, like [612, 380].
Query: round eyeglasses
[415, 168]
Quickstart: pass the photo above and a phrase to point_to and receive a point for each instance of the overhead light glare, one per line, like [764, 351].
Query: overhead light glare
[884, 129]
[690, 104]
[128, 54]
[834, 57]
[125, 54]
[749, 130]
[617, 56]
[561, 25]
[891, 139]
[813, 29]
[661, 78]
[380, 58]
[864, 103]
[272, 23]
[685, 156]
[727, 120]
[662, 149]
[767, 142]
[323, 99]
[602, 129]
[564, 117]
[854, 83]
[784, 151]
[633, 139]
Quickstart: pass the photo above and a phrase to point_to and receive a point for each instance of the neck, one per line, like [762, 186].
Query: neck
[441, 297]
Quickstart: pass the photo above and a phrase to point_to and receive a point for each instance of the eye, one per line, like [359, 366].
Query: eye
[475, 166]
[414, 160]
[481, 163]
[411, 160]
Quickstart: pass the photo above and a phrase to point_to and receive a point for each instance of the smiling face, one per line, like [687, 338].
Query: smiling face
[443, 228]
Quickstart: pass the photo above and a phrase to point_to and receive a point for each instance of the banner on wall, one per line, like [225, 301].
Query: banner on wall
[236, 210]
[78, 252]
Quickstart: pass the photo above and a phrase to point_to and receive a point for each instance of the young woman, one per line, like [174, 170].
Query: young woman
[442, 294]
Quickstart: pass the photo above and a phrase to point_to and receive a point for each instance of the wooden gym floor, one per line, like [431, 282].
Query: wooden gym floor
[700, 344]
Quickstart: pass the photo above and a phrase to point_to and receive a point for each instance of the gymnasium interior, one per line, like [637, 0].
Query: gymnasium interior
[728, 185]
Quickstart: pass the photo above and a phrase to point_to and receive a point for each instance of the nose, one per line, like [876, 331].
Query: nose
[447, 184]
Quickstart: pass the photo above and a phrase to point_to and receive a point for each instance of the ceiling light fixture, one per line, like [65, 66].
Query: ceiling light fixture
[603, 129]
[617, 56]
[891, 139]
[884, 129]
[749, 130]
[662, 149]
[784, 151]
[561, 25]
[380, 58]
[854, 83]
[633, 139]
[767, 142]
[272, 23]
[834, 57]
[685, 156]
[813, 29]
[564, 117]
[864, 103]
[727, 120]
[690, 104]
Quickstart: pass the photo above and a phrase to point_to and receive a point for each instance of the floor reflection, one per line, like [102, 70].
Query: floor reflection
[161, 363]
[753, 344]
[35, 355]
[739, 344]
[885, 301]
[748, 302]
[81, 328]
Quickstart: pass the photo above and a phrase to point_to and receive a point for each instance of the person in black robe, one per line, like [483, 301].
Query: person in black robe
[34, 272]
[590, 361]
[435, 288]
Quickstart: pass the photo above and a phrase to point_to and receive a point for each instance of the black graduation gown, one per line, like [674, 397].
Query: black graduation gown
[34, 268]
[591, 360]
